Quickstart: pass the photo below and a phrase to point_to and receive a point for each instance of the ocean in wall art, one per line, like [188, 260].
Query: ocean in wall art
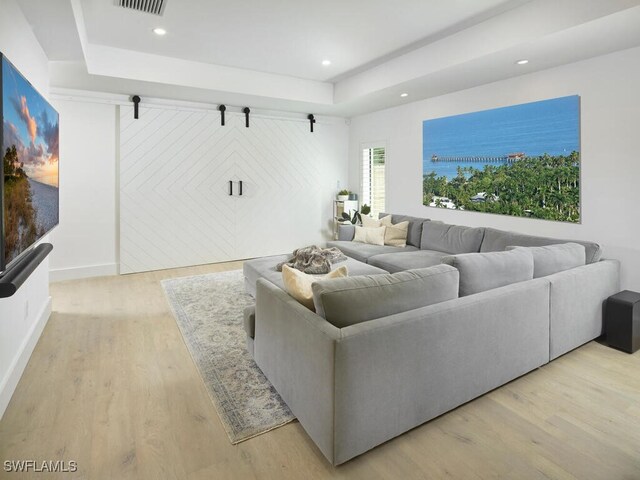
[522, 160]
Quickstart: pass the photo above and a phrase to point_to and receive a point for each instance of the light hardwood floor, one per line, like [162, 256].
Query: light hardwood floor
[112, 386]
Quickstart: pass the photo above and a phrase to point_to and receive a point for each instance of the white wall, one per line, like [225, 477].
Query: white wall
[23, 316]
[610, 144]
[85, 241]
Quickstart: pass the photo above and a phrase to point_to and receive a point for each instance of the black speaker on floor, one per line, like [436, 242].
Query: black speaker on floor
[622, 321]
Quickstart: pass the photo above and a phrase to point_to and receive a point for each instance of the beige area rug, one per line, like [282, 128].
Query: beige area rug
[208, 310]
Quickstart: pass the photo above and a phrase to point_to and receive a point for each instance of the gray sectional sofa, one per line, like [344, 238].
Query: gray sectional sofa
[439, 240]
[388, 352]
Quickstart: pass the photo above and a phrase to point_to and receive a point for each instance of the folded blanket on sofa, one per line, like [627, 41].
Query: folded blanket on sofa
[314, 259]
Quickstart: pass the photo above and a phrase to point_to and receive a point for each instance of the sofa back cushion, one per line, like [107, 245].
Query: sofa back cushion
[552, 259]
[497, 240]
[485, 271]
[456, 239]
[415, 227]
[347, 301]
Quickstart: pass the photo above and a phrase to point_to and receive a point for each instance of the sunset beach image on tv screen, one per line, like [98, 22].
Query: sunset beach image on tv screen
[30, 135]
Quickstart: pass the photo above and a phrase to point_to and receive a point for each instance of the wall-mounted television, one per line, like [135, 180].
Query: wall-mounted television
[29, 192]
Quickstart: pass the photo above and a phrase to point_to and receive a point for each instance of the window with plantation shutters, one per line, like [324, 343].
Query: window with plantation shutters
[373, 178]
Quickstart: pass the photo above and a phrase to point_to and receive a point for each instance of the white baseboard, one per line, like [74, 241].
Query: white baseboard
[57, 275]
[11, 379]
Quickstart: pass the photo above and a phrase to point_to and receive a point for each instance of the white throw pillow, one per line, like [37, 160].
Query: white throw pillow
[396, 235]
[298, 284]
[373, 236]
[369, 222]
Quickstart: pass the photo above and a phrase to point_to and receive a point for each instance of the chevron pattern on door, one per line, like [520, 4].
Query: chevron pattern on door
[175, 168]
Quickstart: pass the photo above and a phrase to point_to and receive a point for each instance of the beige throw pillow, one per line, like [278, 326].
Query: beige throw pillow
[396, 235]
[298, 284]
[373, 236]
[369, 222]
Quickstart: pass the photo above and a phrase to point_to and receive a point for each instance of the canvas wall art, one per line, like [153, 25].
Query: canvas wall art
[522, 160]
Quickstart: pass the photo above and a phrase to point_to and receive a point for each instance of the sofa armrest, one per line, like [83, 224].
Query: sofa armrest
[346, 232]
[295, 349]
[577, 303]
[397, 372]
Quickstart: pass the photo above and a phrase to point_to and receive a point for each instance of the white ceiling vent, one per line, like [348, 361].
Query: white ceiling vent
[155, 7]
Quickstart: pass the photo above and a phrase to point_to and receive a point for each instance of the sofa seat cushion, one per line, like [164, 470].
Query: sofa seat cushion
[265, 267]
[485, 271]
[414, 231]
[443, 237]
[498, 240]
[552, 259]
[399, 262]
[347, 301]
[362, 251]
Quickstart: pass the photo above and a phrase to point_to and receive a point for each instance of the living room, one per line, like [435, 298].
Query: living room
[465, 172]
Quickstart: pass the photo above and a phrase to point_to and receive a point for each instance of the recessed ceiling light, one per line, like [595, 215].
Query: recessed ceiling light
[404, 95]
[522, 62]
[326, 63]
[159, 31]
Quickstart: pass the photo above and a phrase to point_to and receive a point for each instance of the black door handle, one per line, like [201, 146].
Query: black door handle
[230, 187]
[240, 183]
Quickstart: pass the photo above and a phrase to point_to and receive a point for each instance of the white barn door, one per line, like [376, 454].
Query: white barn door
[175, 168]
